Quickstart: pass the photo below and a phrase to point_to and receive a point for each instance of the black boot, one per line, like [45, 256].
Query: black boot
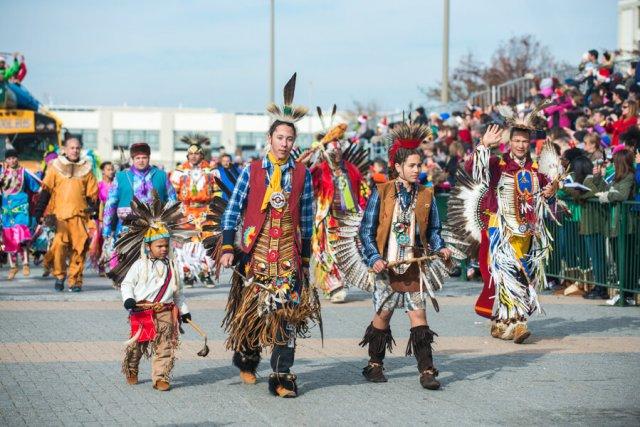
[246, 361]
[208, 282]
[420, 345]
[283, 384]
[374, 372]
[379, 341]
[189, 281]
[59, 285]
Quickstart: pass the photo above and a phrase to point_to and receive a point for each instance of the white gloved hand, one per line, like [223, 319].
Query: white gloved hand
[603, 197]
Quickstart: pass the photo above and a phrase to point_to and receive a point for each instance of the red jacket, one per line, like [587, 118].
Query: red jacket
[620, 126]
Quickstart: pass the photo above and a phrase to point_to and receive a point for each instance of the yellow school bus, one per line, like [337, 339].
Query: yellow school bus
[30, 133]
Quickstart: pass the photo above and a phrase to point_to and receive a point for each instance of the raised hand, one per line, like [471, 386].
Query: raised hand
[492, 137]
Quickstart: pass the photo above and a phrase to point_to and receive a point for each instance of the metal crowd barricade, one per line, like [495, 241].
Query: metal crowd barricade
[598, 244]
[629, 247]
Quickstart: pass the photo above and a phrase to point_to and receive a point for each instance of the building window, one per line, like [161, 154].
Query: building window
[89, 137]
[181, 146]
[250, 142]
[124, 138]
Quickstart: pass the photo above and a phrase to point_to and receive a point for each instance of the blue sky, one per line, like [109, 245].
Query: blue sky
[215, 53]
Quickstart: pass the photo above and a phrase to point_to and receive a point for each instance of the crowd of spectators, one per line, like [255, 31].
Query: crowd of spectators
[593, 120]
[590, 112]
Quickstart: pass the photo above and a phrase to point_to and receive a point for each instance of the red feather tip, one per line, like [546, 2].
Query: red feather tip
[409, 144]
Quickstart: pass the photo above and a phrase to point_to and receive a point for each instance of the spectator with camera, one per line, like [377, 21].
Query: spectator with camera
[619, 190]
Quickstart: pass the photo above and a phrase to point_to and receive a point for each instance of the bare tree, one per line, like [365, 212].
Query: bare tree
[514, 58]
[369, 108]
[517, 57]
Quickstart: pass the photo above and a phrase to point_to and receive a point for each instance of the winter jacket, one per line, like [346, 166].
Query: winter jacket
[620, 126]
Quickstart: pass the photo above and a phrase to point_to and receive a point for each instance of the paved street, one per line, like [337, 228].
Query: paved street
[60, 364]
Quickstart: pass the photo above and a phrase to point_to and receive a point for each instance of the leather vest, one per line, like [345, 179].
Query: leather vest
[410, 280]
[387, 192]
[254, 217]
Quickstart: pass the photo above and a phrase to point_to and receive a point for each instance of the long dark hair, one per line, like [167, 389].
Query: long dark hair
[401, 156]
[581, 166]
[623, 164]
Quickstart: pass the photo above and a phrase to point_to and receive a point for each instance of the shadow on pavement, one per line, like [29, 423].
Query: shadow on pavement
[558, 327]
[207, 376]
[452, 369]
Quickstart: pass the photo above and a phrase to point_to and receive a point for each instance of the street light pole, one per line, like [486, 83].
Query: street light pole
[444, 92]
[272, 66]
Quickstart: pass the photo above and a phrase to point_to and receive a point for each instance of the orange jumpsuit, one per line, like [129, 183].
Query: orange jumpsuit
[70, 185]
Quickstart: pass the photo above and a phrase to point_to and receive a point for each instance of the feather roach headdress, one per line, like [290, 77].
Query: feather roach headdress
[406, 135]
[289, 113]
[195, 141]
[145, 224]
[530, 121]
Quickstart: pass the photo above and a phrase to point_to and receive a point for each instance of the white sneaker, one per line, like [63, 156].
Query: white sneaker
[340, 296]
[630, 301]
[614, 300]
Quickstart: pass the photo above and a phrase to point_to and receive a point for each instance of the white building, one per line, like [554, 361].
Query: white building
[105, 129]
[629, 25]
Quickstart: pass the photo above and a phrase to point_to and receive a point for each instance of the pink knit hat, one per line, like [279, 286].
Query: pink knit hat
[619, 148]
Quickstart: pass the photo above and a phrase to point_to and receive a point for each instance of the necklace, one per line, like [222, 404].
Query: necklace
[401, 227]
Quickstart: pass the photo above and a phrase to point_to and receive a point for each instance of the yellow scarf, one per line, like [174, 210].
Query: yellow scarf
[274, 182]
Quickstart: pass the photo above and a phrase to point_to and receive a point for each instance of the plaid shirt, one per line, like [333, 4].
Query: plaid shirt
[369, 227]
[238, 201]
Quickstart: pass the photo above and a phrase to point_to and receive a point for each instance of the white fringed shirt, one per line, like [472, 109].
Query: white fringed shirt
[145, 279]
